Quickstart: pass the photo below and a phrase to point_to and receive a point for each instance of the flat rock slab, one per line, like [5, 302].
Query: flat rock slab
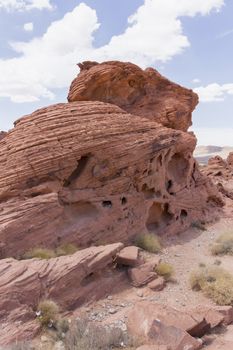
[68, 280]
[143, 274]
[128, 256]
[158, 284]
[144, 313]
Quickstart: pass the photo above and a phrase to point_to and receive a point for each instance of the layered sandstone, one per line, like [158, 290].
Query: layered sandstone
[68, 280]
[142, 92]
[220, 171]
[2, 134]
[89, 172]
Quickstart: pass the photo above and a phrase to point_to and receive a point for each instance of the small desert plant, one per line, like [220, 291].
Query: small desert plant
[61, 326]
[223, 245]
[149, 242]
[84, 335]
[48, 312]
[164, 269]
[40, 253]
[215, 282]
[66, 249]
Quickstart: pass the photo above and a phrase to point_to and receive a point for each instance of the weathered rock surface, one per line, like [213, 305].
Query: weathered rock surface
[142, 317]
[88, 172]
[160, 325]
[128, 256]
[2, 134]
[220, 171]
[69, 280]
[153, 347]
[141, 92]
[157, 284]
[143, 274]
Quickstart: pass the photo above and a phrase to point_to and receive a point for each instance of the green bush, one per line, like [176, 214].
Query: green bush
[223, 245]
[49, 312]
[149, 242]
[164, 269]
[215, 283]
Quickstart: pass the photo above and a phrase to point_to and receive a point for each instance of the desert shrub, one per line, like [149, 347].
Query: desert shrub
[40, 253]
[66, 249]
[164, 269]
[84, 335]
[215, 283]
[61, 326]
[48, 312]
[223, 245]
[149, 242]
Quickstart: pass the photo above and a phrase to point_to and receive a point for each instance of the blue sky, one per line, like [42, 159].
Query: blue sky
[189, 41]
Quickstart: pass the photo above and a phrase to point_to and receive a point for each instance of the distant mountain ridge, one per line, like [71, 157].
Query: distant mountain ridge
[204, 153]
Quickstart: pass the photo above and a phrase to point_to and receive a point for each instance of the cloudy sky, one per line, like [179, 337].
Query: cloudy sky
[189, 41]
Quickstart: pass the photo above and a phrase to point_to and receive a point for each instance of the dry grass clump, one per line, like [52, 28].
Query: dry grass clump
[149, 242]
[223, 245]
[84, 335]
[48, 312]
[40, 253]
[164, 269]
[215, 283]
[44, 253]
[66, 249]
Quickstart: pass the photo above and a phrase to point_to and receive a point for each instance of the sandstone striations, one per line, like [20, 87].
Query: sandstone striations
[2, 134]
[69, 280]
[220, 171]
[144, 93]
[89, 172]
[113, 163]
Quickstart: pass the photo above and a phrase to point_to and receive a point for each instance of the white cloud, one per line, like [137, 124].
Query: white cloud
[214, 92]
[28, 27]
[155, 31]
[50, 61]
[154, 34]
[214, 136]
[196, 81]
[20, 5]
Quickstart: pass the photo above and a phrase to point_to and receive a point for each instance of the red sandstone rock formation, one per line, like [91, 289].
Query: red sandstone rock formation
[141, 92]
[68, 280]
[89, 172]
[220, 171]
[2, 134]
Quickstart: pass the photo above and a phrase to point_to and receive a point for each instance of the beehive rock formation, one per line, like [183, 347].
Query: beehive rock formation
[141, 92]
[89, 172]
